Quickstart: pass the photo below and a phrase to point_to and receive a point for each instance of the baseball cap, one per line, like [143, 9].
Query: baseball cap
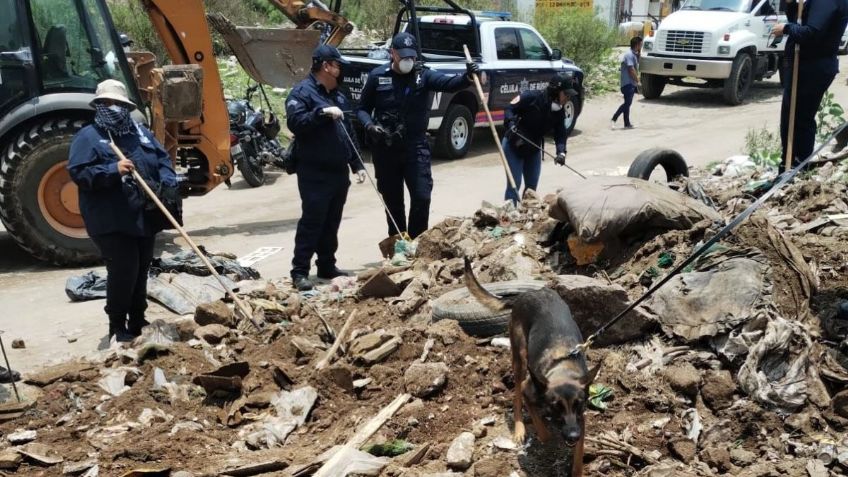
[562, 82]
[114, 90]
[405, 44]
[328, 53]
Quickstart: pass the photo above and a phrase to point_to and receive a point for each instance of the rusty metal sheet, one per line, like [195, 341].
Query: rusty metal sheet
[279, 57]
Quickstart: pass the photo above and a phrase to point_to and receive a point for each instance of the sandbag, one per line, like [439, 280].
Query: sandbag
[601, 208]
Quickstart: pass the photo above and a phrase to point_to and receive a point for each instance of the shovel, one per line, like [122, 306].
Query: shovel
[241, 307]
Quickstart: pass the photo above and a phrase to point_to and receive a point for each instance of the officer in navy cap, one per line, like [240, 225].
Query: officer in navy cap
[325, 158]
[394, 110]
[818, 35]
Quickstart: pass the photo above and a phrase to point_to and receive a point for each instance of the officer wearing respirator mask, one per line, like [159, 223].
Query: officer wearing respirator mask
[394, 109]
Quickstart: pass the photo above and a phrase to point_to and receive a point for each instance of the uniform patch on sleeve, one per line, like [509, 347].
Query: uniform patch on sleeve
[382, 80]
[516, 99]
[292, 102]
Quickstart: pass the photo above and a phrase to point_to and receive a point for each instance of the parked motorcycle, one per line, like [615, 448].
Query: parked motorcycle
[253, 137]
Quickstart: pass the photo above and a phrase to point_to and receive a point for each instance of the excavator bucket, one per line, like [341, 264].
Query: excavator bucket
[278, 57]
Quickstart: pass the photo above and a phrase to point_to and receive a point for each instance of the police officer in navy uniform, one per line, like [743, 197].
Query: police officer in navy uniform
[117, 224]
[818, 36]
[394, 110]
[529, 116]
[325, 156]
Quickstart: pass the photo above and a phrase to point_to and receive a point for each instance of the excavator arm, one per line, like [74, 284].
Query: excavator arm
[304, 14]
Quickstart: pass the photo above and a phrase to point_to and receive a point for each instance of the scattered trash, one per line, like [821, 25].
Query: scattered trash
[90, 286]
[599, 395]
[257, 255]
[392, 448]
[40, 454]
[18, 344]
[22, 437]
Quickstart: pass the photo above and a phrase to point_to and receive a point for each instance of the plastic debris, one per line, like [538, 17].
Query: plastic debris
[598, 395]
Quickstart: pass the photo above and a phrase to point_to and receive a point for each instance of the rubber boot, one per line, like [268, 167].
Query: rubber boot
[118, 329]
[135, 325]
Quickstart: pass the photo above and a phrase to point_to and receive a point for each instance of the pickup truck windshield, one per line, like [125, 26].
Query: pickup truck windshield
[718, 5]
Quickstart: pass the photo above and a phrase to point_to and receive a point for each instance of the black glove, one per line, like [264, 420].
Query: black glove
[472, 68]
[376, 132]
[560, 159]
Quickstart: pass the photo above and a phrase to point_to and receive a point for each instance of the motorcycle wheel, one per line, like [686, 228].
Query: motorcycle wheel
[252, 171]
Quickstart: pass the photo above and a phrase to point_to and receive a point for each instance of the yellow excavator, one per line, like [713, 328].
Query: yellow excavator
[53, 53]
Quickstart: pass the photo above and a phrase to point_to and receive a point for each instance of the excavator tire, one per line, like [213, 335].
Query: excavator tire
[39, 205]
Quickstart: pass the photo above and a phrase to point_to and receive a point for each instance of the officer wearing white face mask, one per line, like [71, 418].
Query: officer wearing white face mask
[394, 109]
[529, 116]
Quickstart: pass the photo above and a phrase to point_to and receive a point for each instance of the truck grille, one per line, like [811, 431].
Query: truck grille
[679, 41]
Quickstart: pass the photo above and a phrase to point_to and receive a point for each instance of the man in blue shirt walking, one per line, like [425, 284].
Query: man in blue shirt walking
[629, 81]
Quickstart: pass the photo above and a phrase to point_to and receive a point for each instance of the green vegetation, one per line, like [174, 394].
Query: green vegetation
[830, 116]
[763, 147]
[586, 40]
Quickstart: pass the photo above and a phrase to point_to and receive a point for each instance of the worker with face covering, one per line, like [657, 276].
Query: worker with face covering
[394, 109]
[529, 116]
[117, 216]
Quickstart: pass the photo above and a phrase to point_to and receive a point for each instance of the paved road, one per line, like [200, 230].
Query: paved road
[695, 122]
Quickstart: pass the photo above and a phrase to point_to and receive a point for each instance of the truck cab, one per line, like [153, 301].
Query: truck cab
[726, 44]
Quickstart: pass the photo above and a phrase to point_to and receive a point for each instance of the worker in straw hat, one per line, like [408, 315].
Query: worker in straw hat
[117, 217]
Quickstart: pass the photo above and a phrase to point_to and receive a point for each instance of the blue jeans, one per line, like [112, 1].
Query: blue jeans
[628, 91]
[527, 167]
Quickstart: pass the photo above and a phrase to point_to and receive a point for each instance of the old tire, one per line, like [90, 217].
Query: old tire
[253, 173]
[652, 85]
[670, 160]
[474, 318]
[737, 86]
[39, 203]
[454, 137]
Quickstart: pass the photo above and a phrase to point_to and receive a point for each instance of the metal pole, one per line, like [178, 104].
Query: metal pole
[9, 369]
[547, 153]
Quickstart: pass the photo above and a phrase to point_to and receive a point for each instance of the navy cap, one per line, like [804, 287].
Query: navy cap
[562, 82]
[328, 53]
[404, 44]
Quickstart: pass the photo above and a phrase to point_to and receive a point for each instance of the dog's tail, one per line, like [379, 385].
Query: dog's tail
[478, 292]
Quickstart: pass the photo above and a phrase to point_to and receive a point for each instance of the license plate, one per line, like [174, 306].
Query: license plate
[235, 150]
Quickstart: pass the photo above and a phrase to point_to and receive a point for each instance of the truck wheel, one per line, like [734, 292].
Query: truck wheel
[737, 86]
[454, 137]
[670, 160]
[252, 171]
[652, 85]
[39, 205]
[570, 113]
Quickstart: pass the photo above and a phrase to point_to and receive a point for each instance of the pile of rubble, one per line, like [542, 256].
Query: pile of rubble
[728, 369]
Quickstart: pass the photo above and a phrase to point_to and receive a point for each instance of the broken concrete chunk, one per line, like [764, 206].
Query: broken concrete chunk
[382, 352]
[379, 286]
[718, 389]
[448, 331]
[742, 457]
[366, 343]
[40, 453]
[226, 379]
[22, 437]
[591, 301]
[425, 379]
[717, 457]
[504, 443]
[75, 468]
[684, 379]
[250, 470]
[212, 334]
[683, 449]
[461, 452]
[68, 372]
[214, 313]
[281, 375]
[10, 460]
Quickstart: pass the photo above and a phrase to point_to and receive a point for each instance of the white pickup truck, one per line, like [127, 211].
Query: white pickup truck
[726, 43]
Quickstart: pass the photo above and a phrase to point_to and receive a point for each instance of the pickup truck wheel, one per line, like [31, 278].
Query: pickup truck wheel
[454, 137]
[570, 113]
[652, 85]
[670, 160]
[39, 203]
[736, 87]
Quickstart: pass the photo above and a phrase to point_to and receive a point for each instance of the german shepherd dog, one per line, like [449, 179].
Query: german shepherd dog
[542, 334]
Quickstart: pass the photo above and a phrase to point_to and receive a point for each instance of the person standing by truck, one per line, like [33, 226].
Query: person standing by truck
[629, 81]
[529, 116]
[397, 94]
[818, 34]
[324, 157]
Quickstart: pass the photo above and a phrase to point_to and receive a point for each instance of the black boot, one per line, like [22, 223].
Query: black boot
[135, 324]
[118, 329]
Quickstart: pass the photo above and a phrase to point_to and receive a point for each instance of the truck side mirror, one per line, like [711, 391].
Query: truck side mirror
[556, 54]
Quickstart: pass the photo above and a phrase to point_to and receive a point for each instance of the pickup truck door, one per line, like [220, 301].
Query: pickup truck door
[513, 71]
